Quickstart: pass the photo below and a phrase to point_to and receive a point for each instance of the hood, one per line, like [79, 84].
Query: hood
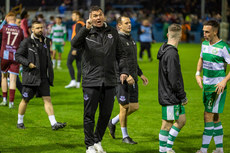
[163, 49]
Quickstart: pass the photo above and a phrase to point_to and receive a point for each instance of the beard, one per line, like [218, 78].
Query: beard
[39, 34]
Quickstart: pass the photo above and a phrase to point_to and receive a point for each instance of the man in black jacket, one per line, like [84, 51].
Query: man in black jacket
[37, 76]
[73, 54]
[127, 95]
[171, 94]
[101, 48]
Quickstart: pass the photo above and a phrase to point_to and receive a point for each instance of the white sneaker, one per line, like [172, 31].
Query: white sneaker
[78, 85]
[72, 84]
[91, 149]
[99, 148]
[11, 105]
[199, 151]
[171, 151]
[3, 103]
[218, 151]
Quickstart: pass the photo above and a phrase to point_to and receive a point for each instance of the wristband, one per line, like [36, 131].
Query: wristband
[197, 73]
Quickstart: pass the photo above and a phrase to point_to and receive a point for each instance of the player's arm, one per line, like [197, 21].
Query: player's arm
[198, 71]
[174, 76]
[141, 75]
[21, 53]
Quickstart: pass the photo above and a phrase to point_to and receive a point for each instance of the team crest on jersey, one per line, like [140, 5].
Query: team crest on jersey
[177, 113]
[110, 36]
[122, 98]
[45, 46]
[25, 94]
[86, 97]
[214, 51]
[134, 43]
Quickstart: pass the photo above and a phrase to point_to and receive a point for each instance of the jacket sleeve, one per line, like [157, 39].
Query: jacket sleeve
[77, 29]
[121, 57]
[22, 52]
[139, 71]
[174, 74]
[78, 40]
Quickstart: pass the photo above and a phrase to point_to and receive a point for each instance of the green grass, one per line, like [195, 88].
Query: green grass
[143, 126]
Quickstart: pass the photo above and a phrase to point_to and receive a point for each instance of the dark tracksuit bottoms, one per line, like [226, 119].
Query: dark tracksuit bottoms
[93, 97]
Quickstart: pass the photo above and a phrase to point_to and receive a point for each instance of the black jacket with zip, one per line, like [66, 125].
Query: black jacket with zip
[170, 81]
[102, 49]
[28, 53]
[130, 47]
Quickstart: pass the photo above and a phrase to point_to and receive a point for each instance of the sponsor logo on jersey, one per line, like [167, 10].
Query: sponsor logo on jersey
[215, 51]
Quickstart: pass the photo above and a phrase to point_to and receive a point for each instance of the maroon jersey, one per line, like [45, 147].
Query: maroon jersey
[12, 36]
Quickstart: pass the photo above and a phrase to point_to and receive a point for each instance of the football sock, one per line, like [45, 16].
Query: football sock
[115, 120]
[54, 62]
[218, 135]
[163, 137]
[20, 118]
[52, 120]
[4, 95]
[124, 132]
[58, 63]
[172, 136]
[207, 136]
[12, 93]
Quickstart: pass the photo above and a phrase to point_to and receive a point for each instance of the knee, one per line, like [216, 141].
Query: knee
[133, 108]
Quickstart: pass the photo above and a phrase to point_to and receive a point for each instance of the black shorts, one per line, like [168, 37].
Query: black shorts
[127, 93]
[28, 92]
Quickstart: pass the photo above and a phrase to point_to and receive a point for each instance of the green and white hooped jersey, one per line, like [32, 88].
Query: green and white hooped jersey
[58, 33]
[215, 58]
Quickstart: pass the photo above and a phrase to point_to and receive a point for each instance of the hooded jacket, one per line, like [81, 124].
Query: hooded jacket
[170, 81]
[102, 50]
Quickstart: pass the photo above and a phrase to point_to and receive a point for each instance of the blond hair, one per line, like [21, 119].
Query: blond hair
[174, 31]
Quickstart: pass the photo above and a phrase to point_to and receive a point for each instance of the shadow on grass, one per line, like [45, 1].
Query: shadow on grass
[76, 126]
[139, 151]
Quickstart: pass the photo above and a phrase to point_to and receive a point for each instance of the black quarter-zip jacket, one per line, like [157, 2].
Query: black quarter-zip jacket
[170, 81]
[101, 49]
[130, 47]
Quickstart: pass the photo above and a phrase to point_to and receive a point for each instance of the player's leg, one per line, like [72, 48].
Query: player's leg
[60, 51]
[218, 134]
[177, 126]
[50, 112]
[141, 51]
[133, 99]
[54, 48]
[13, 78]
[208, 131]
[27, 94]
[123, 99]
[4, 89]
[91, 97]
[78, 62]
[163, 135]
[70, 60]
[105, 111]
[148, 48]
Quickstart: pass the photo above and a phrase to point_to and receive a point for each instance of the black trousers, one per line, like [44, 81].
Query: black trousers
[94, 97]
[147, 46]
[70, 60]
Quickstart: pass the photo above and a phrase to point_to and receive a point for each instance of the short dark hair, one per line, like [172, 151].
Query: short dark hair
[213, 23]
[94, 8]
[36, 22]
[24, 14]
[77, 13]
[59, 17]
[119, 19]
[40, 16]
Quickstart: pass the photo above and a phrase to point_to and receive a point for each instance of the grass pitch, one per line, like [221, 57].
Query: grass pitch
[143, 126]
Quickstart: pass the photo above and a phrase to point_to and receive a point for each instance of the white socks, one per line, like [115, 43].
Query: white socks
[115, 120]
[124, 132]
[52, 120]
[20, 118]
